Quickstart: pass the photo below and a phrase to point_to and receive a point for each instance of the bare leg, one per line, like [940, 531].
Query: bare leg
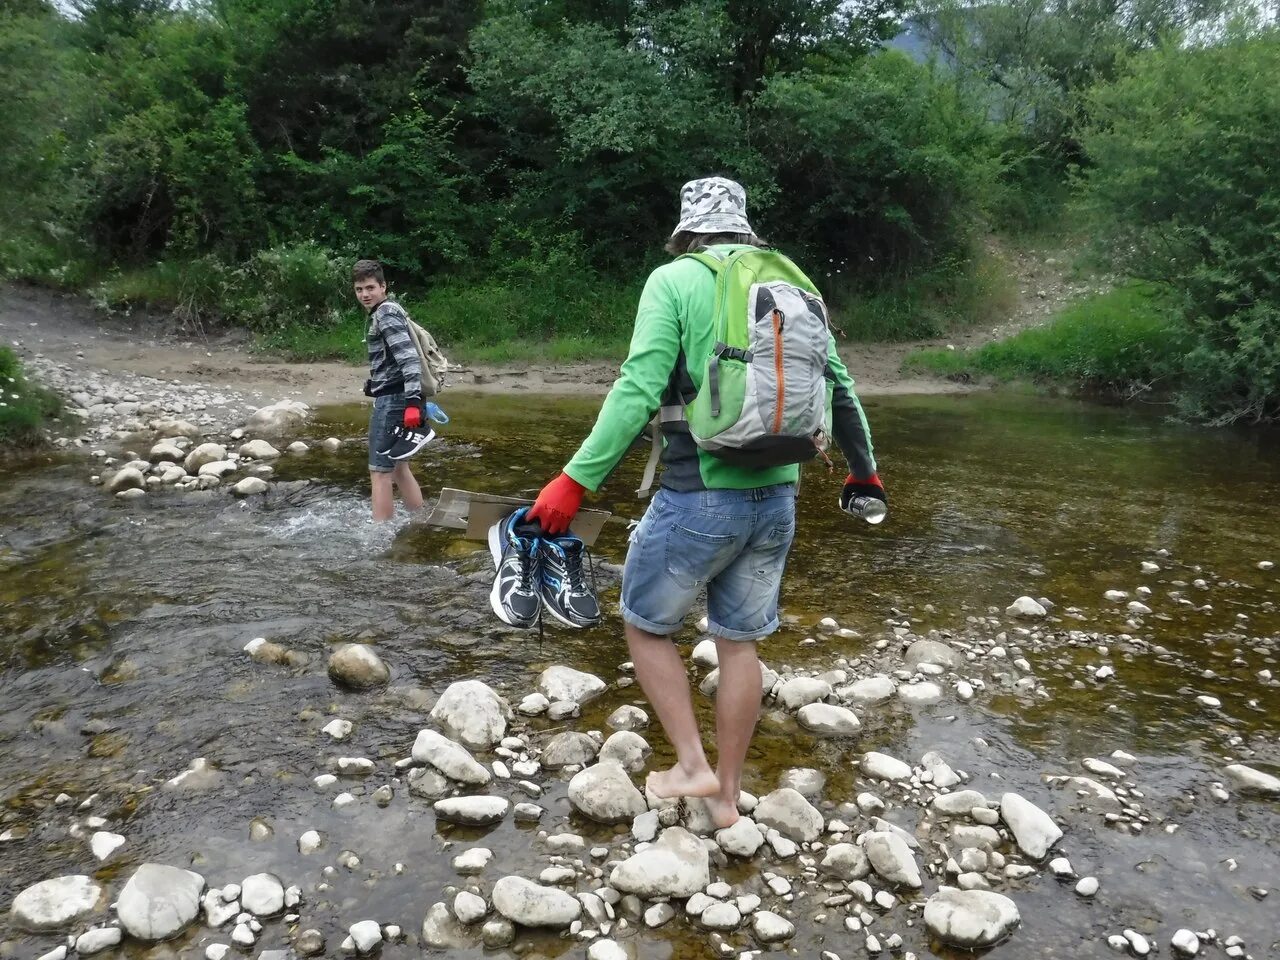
[661, 673]
[384, 507]
[409, 492]
[737, 708]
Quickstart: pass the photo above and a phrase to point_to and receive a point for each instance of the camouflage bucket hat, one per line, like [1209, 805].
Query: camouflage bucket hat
[713, 205]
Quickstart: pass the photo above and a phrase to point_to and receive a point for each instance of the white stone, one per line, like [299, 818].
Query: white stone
[309, 843]
[1185, 942]
[450, 758]
[1250, 780]
[920, 694]
[1102, 768]
[677, 865]
[534, 705]
[868, 690]
[1087, 886]
[1025, 607]
[799, 691]
[531, 905]
[892, 859]
[659, 914]
[881, 766]
[258, 450]
[768, 927]
[218, 908]
[844, 861]
[159, 901]
[472, 713]
[705, 654]
[742, 839]
[721, 916]
[790, 814]
[97, 940]
[262, 895]
[278, 419]
[472, 811]
[607, 950]
[358, 666]
[441, 930]
[1138, 608]
[205, 453]
[828, 720]
[972, 919]
[606, 794]
[565, 683]
[569, 748]
[56, 903]
[338, 729]
[366, 934]
[103, 844]
[958, 804]
[473, 861]
[1033, 829]
[249, 487]
[627, 717]
[331, 444]
[628, 749]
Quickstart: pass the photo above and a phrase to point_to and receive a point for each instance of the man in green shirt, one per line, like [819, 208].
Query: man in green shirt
[712, 525]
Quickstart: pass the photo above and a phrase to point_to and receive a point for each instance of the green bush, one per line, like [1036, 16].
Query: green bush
[1184, 185]
[24, 407]
[1126, 340]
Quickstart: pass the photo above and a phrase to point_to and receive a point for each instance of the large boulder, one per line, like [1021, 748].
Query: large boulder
[55, 904]
[892, 860]
[450, 758]
[357, 666]
[972, 919]
[933, 651]
[606, 794]
[677, 865]
[788, 812]
[1249, 780]
[1034, 829]
[278, 419]
[565, 683]
[471, 712]
[829, 720]
[159, 901]
[204, 454]
[532, 905]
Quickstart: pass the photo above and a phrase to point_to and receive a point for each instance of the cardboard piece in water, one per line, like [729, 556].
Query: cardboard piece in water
[477, 512]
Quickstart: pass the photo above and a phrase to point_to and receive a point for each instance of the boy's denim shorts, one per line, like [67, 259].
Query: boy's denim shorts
[388, 411]
[732, 543]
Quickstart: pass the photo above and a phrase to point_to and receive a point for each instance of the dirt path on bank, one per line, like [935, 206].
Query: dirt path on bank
[66, 329]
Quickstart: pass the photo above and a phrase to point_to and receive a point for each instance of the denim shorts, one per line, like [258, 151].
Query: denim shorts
[388, 412]
[732, 543]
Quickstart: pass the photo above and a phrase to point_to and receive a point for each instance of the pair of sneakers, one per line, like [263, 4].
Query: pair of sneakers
[536, 573]
[406, 441]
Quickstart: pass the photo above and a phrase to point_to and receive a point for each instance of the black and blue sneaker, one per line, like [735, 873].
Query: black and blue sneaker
[515, 596]
[565, 592]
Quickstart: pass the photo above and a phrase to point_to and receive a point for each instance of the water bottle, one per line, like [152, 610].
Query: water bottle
[868, 508]
[435, 413]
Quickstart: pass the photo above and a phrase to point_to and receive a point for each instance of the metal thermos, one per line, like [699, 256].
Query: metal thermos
[868, 508]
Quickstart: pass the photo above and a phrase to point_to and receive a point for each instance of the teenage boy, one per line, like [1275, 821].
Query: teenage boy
[395, 383]
[712, 526]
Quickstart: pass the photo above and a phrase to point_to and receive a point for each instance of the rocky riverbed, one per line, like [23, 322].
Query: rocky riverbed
[261, 727]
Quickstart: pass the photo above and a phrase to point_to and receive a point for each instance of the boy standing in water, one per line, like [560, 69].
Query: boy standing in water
[395, 383]
[713, 524]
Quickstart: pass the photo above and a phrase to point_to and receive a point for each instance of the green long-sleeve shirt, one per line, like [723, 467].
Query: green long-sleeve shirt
[676, 319]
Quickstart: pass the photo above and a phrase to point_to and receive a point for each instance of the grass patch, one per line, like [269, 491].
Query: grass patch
[950, 297]
[24, 407]
[1122, 339]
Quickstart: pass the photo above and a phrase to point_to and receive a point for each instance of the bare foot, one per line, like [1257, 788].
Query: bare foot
[724, 813]
[678, 782]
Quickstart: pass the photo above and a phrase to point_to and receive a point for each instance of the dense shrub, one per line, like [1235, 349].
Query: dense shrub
[24, 407]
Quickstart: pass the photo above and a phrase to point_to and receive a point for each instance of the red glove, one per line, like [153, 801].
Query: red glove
[557, 504]
[413, 416]
[871, 487]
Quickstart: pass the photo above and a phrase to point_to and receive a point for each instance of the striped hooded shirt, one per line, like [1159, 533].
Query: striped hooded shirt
[394, 365]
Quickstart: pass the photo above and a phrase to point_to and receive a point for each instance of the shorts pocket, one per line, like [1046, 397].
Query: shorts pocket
[695, 556]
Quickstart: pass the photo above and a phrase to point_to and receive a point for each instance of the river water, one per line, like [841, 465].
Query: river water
[121, 630]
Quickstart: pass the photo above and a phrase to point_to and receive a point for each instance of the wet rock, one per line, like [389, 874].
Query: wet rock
[565, 683]
[250, 487]
[203, 455]
[219, 908]
[868, 690]
[630, 750]
[331, 444]
[965, 836]
[531, 905]
[278, 419]
[799, 691]
[1033, 829]
[534, 705]
[356, 666]
[742, 839]
[338, 729]
[1185, 942]
[720, 916]
[442, 931]
[166, 450]
[159, 901]
[806, 781]
[1087, 887]
[262, 895]
[628, 717]
[920, 694]
[706, 655]
[469, 908]
[450, 758]
[768, 927]
[1137, 943]
[57, 953]
[367, 936]
[297, 447]
[972, 919]
[677, 865]
[932, 651]
[606, 794]
[790, 814]
[472, 811]
[1026, 608]
[1137, 608]
[258, 450]
[498, 933]
[310, 943]
[103, 844]
[471, 712]
[1102, 768]
[568, 749]
[95, 941]
[1249, 780]
[892, 860]
[958, 804]
[938, 771]
[55, 904]
[881, 766]
[128, 478]
[845, 861]
[828, 720]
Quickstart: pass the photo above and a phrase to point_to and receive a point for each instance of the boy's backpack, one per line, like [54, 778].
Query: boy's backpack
[764, 400]
[434, 364]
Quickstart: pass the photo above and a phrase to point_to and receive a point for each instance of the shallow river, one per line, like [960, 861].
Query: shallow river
[121, 630]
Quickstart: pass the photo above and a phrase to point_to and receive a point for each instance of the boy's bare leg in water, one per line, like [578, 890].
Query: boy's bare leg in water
[737, 709]
[383, 484]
